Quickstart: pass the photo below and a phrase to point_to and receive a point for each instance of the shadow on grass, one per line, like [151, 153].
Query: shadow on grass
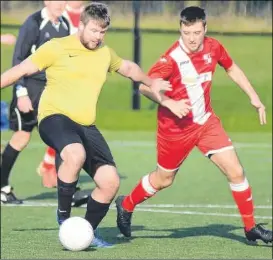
[112, 234]
[109, 234]
[215, 230]
[89, 249]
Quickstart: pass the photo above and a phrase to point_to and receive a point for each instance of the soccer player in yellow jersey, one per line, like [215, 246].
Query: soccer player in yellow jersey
[76, 68]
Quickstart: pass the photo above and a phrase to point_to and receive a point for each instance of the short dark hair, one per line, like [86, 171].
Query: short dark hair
[98, 12]
[191, 15]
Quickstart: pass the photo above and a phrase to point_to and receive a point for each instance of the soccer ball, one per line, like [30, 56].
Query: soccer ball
[76, 234]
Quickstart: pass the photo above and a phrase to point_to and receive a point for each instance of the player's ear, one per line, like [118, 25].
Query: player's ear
[206, 28]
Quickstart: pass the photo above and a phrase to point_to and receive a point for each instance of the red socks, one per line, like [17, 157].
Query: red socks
[140, 193]
[243, 197]
[241, 193]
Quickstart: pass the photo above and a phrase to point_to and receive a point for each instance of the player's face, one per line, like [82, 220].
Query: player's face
[91, 34]
[193, 35]
[55, 8]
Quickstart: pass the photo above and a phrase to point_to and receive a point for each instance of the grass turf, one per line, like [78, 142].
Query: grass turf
[165, 233]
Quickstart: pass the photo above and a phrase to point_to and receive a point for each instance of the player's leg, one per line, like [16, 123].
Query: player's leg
[79, 197]
[22, 124]
[47, 170]
[62, 134]
[229, 164]
[216, 144]
[101, 167]
[170, 154]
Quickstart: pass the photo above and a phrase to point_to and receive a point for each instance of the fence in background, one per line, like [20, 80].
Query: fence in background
[261, 9]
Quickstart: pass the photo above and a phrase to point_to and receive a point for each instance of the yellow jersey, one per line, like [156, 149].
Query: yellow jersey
[75, 76]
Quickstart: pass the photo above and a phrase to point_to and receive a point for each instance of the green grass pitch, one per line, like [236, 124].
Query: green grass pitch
[194, 218]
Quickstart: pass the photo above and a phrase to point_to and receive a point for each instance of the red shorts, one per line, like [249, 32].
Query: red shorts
[210, 138]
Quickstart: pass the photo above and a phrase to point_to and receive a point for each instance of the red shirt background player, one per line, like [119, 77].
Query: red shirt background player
[186, 119]
[72, 13]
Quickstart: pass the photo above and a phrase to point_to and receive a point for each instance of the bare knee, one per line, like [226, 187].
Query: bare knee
[107, 181]
[161, 179]
[235, 173]
[73, 156]
[228, 162]
[20, 140]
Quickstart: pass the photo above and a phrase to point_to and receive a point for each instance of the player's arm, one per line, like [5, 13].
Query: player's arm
[38, 61]
[239, 77]
[163, 69]
[132, 71]
[179, 108]
[25, 68]
[26, 39]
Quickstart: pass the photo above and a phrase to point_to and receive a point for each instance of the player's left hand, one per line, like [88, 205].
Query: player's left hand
[160, 85]
[261, 110]
[179, 108]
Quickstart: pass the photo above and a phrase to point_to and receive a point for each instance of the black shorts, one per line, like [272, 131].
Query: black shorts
[58, 131]
[26, 121]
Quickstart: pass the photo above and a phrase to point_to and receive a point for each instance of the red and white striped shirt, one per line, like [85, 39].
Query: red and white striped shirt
[190, 75]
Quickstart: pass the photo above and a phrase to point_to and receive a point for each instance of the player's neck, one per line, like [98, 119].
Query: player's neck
[183, 46]
[52, 18]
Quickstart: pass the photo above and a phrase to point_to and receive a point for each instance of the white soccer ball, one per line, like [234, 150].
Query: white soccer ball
[76, 234]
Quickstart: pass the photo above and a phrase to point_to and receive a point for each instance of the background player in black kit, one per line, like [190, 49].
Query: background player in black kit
[38, 28]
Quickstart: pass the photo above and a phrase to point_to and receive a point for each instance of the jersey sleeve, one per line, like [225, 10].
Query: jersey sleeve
[115, 61]
[163, 68]
[46, 54]
[26, 39]
[224, 59]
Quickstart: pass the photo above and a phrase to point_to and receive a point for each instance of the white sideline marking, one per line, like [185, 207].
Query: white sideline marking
[199, 206]
[145, 208]
[117, 143]
[32, 203]
[198, 213]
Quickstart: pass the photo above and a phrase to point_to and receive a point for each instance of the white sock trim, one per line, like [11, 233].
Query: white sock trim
[167, 170]
[6, 189]
[49, 159]
[239, 186]
[147, 185]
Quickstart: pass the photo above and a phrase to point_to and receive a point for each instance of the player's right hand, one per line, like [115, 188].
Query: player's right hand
[159, 85]
[24, 104]
[256, 102]
[179, 108]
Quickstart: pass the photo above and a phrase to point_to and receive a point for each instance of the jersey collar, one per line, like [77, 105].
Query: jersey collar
[184, 48]
[182, 45]
[45, 16]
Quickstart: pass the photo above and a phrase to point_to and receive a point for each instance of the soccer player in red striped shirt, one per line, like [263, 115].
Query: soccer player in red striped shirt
[186, 120]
